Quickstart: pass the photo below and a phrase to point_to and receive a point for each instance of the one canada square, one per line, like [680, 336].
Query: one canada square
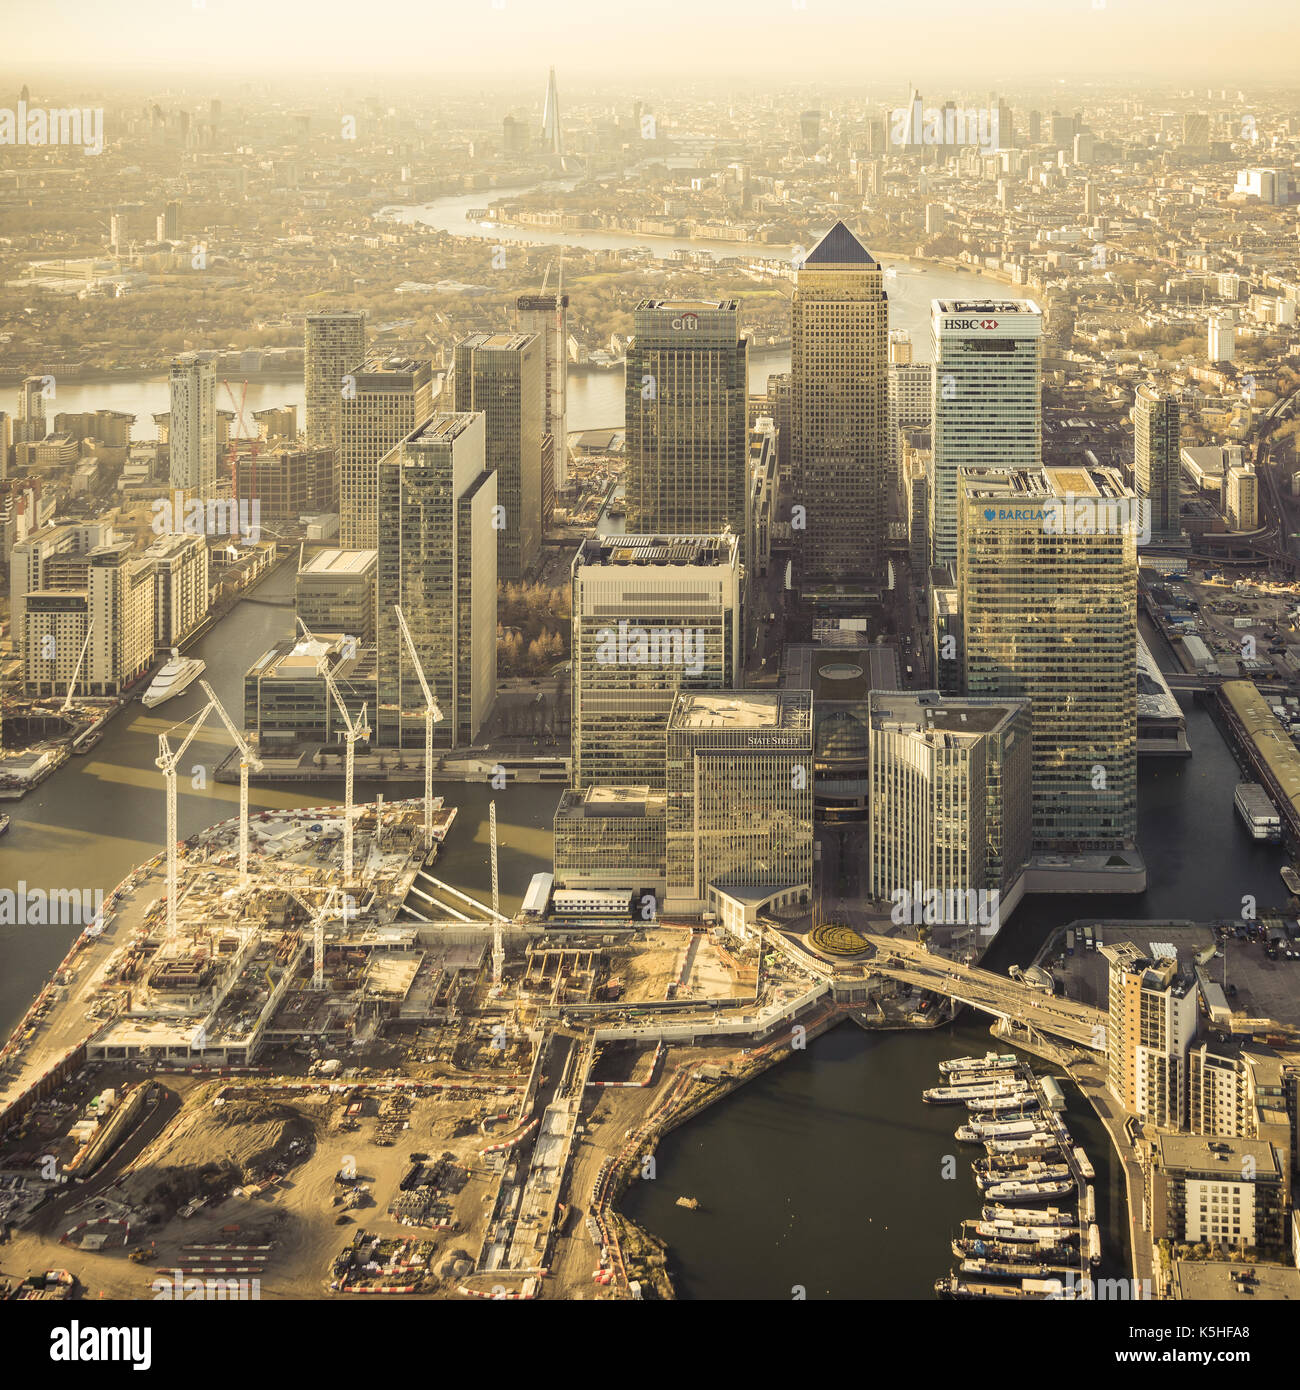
[839, 359]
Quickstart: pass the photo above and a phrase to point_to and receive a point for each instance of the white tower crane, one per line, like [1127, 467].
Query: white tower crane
[355, 729]
[72, 684]
[432, 714]
[318, 916]
[167, 762]
[498, 944]
[247, 758]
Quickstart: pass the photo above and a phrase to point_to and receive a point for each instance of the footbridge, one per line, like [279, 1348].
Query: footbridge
[991, 993]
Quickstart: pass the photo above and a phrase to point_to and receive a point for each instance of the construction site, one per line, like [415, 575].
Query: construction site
[287, 1058]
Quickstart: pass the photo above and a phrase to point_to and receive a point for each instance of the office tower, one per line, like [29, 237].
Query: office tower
[504, 376]
[287, 483]
[687, 432]
[987, 400]
[337, 591]
[192, 431]
[810, 131]
[552, 136]
[1085, 144]
[6, 444]
[1196, 130]
[1047, 582]
[776, 406]
[1035, 127]
[1222, 345]
[740, 797]
[1241, 498]
[1063, 131]
[1006, 127]
[1091, 202]
[910, 386]
[180, 569]
[1272, 186]
[334, 344]
[951, 796]
[610, 837]
[438, 560]
[117, 232]
[169, 228]
[936, 219]
[1157, 452]
[764, 489]
[1151, 1022]
[514, 136]
[547, 315]
[900, 347]
[387, 398]
[652, 615]
[839, 414]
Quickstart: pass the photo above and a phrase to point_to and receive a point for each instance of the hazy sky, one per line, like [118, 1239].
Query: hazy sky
[974, 42]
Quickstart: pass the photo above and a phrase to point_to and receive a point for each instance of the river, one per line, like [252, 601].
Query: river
[595, 395]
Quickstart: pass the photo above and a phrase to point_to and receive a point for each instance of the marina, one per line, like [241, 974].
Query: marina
[1021, 1251]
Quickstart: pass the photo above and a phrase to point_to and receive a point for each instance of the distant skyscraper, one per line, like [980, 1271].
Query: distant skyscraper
[504, 375]
[192, 431]
[810, 131]
[438, 560]
[1157, 453]
[30, 427]
[1047, 576]
[552, 136]
[910, 392]
[687, 432]
[1196, 130]
[387, 398]
[1241, 497]
[547, 315]
[1035, 127]
[986, 402]
[839, 413]
[335, 343]
[652, 615]
[1222, 346]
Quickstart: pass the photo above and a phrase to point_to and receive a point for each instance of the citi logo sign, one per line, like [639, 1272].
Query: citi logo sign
[962, 324]
[686, 323]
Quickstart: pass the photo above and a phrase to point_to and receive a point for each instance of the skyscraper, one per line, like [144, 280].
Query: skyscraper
[1047, 576]
[1222, 345]
[438, 560]
[687, 432]
[839, 352]
[1157, 466]
[387, 398]
[987, 399]
[951, 793]
[547, 315]
[652, 615]
[504, 375]
[192, 432]
[334, 344]
[552, 136]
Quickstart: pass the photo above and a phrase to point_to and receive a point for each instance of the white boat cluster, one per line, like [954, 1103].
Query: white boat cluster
[1017, 1250]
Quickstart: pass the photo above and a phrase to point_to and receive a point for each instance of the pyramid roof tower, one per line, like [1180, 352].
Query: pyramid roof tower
[839, 247]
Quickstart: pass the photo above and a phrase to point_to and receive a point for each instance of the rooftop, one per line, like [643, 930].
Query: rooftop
[339, 562]
[657, 550]
[742, 709]
[840, 247]
[918, 710]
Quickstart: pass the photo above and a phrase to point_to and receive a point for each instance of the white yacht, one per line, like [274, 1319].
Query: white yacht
[176, 676]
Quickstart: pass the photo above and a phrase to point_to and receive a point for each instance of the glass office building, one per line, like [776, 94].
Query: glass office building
[1047, 578]
[740, 794]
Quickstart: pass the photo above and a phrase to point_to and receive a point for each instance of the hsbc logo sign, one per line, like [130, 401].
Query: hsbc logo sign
[964, 324]
[686, 323]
